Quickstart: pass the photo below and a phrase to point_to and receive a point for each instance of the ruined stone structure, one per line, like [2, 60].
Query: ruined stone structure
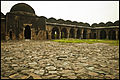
[22, 23]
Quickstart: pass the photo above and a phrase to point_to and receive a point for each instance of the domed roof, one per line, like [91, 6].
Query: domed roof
[22, 7]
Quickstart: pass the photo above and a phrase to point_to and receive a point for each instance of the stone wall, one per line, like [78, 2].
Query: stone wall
[90, 33]
[40, 30]
[3, 29]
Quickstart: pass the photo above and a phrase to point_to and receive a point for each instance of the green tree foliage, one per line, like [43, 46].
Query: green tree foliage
[116, 23]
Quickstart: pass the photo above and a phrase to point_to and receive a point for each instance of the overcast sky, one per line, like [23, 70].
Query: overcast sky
[80, 11]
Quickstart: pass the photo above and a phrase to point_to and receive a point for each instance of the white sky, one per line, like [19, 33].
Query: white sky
[80, 11]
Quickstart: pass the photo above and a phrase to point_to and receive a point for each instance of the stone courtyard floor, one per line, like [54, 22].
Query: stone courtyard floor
[54, 60]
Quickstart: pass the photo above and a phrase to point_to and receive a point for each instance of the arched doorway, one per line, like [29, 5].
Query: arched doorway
[84, 34]
[10, 33]
[64, 33]
[27, 32]
[94, 36]
[78, 33]
[102, 34]
[112, 35]
[55, 33]
[72, 33]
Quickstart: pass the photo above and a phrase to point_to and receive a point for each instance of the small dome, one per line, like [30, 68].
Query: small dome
[22, 7]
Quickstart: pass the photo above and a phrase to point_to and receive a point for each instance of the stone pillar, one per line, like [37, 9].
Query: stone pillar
[116, 34]
[49, 34]
[31, 34]
[107, 36]
[60, 35]
[88, 34]
[98, 34]
[75, 33]
[68, 33]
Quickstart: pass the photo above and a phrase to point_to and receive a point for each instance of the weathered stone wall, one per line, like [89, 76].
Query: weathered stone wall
[40, 30]
[90, 33]
[41, 35]
[2, 29]
[16, 23]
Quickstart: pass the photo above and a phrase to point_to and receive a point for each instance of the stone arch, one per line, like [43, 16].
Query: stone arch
[78, 33]
[55, 33]
[112, 35]
[72, 33]
[102, 34]
[10, 34]
[85, 34]
[64, 33]
[27, 32]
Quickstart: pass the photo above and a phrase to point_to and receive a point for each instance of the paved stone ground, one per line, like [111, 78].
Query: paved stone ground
[53, 60]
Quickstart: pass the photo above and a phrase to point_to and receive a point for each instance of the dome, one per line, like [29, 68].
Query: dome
[22, 7]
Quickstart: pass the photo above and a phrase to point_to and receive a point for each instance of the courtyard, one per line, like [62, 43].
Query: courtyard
[30, 59]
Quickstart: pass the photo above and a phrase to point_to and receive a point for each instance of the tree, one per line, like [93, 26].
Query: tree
[94, 25]
[116, 23]
[109, 23]
[101, 24]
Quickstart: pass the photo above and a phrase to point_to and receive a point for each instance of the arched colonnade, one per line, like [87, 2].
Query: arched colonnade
[82, 33]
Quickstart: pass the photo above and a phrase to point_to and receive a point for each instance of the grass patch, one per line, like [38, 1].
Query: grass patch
[89, 41]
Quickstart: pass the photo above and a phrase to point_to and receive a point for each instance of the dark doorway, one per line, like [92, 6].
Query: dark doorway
[55, 33]
[85, 34]
[78, 33]
[72, 33]
[64, 33]
[94, 36]
[27, 32]
[10, 33]
[102, 34]
[112, 35]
